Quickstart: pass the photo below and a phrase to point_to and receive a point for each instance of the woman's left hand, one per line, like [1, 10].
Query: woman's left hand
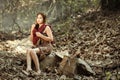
[38, 34]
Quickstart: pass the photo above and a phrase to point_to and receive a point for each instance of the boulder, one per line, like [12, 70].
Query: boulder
[71, 66]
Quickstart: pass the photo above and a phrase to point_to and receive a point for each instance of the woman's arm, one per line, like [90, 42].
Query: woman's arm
[49, 36]
[31, 32]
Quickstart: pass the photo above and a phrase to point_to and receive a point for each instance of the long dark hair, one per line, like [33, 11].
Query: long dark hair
[36, 26]
[44, 20]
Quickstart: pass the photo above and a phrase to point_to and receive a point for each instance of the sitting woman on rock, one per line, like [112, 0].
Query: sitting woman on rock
[41, 37]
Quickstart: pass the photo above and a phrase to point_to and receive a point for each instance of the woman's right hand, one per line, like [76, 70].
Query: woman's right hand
[31, 32]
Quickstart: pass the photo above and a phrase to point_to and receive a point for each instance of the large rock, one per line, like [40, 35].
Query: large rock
[20, 15]
[86, 68]
[68, 66]
[49, 61]
[71, 66]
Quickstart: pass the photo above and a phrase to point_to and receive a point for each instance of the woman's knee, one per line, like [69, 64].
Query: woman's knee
[32, 52]
[28, 51]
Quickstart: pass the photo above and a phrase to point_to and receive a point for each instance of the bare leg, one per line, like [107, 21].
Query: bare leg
[35, 59]
[28, 61]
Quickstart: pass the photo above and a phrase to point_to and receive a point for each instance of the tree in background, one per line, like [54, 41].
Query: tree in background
[112, 5]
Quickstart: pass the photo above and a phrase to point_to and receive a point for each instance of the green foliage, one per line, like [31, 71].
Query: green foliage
[22, 13]
[108, 75]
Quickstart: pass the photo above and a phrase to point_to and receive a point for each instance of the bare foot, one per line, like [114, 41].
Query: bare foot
[28, 69]
[38, 72]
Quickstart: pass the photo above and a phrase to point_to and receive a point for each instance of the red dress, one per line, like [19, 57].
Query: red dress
[41, 29]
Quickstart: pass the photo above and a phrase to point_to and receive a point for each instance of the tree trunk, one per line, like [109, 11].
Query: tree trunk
[111, 5]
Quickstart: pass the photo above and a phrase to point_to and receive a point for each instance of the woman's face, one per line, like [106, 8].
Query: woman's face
[39, 19]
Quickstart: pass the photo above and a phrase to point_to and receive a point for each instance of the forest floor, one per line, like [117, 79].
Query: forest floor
[94, 36]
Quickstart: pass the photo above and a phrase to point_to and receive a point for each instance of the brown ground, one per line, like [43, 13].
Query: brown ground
[94, 36]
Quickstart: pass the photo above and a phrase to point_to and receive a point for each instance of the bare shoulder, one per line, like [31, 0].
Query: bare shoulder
[48, 27]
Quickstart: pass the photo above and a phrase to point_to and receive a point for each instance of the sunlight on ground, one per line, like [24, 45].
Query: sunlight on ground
[16, 46]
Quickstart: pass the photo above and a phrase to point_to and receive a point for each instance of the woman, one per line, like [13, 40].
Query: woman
[41, 36]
